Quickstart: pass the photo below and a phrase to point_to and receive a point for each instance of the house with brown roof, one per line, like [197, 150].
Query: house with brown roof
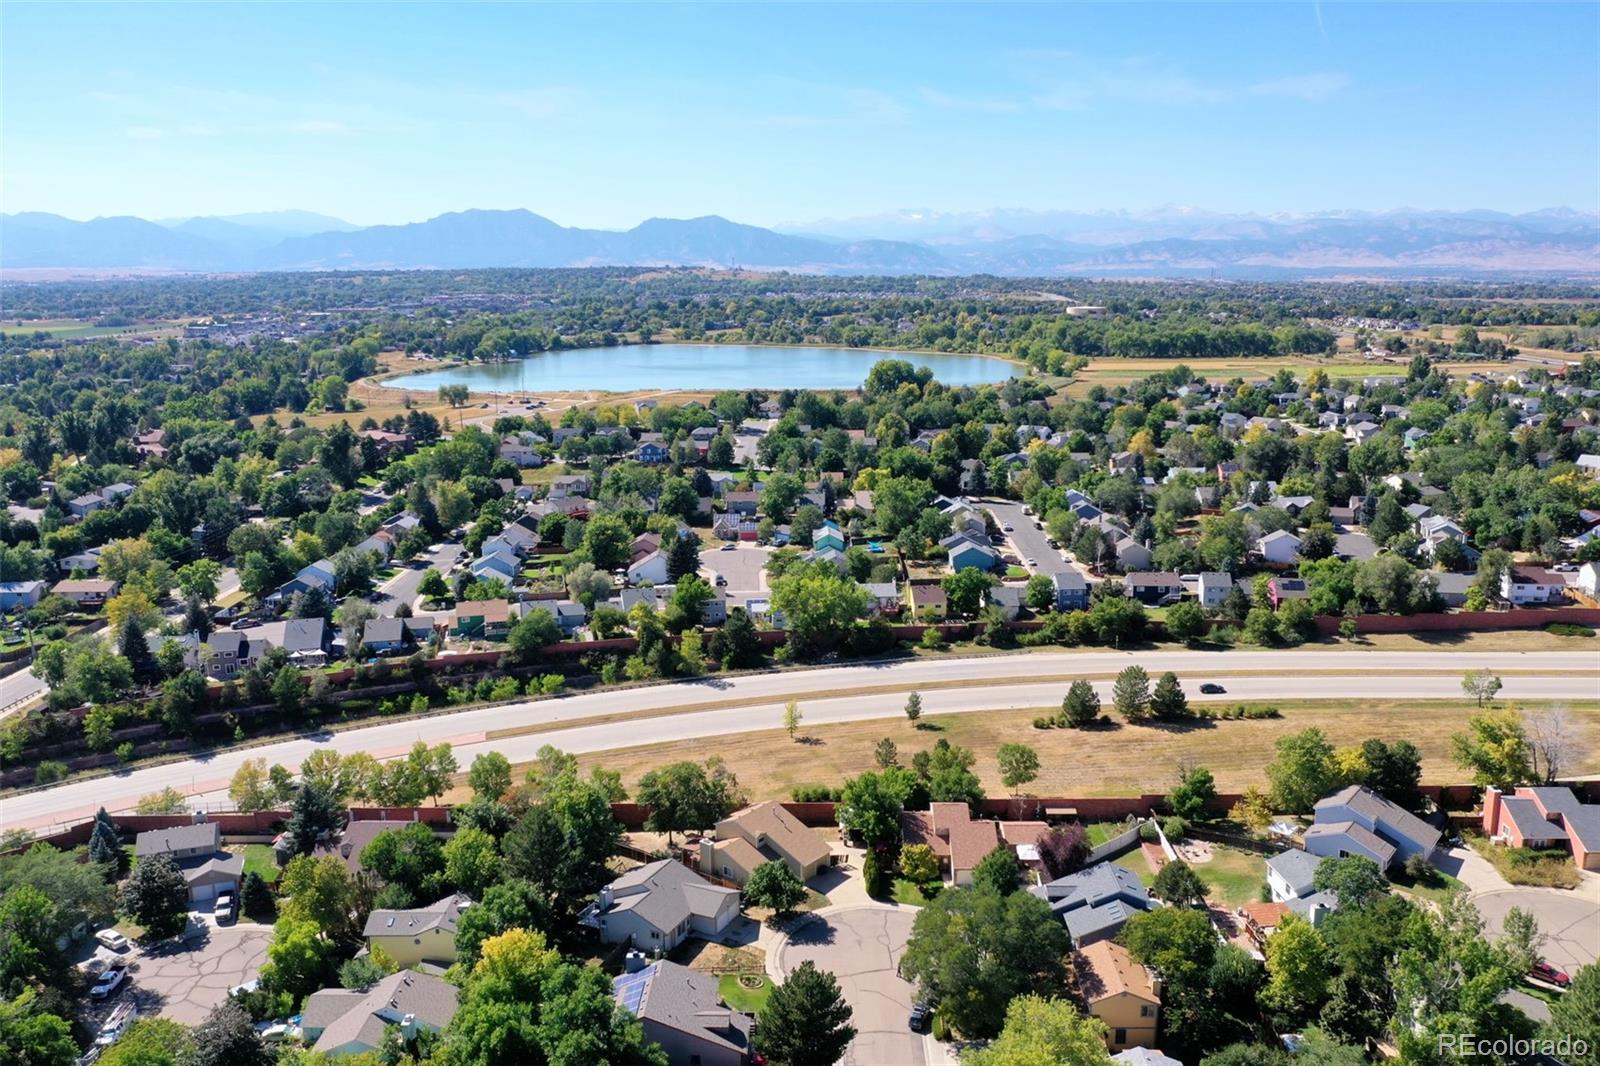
[1261, 920]
[1120, 992]
[86, 593]
[482, 620]
[961, 841]
[357, 834]
[763, 833]
[342, 1021]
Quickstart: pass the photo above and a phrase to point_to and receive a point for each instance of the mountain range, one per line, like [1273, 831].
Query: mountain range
[1170, 242]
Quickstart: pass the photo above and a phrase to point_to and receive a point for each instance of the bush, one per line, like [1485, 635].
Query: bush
[872, 874]
[1044, 723]
[1420, 870]
[1147, 832]
[816, 793]
[1174, 827]
[125, 751]
[1567, 629]
[49, 772]
[931, 639]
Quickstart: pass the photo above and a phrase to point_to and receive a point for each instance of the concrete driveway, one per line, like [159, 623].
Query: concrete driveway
[861, 946]
[184, 980]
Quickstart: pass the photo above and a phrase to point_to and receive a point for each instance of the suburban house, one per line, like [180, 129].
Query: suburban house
[1281, 589]
[1260, 920]
[353, 840]
[520, 453]
[501, 566]
[1118, 991]
[650, 568]
[1130, 554]
[569, 485]
[743, 503]
[380, 543]
[1072, 591]
[828, 536]
[342, 1021]
[1213, 588]
[1008, 599]
[304, 639]
[385, 636]
[313, 577]
[197, 850]
[655, 906]
[1531, 584]
[1358, 821]
[228, 653]
[1095, 903]
[961, 841]
[570, 614]
[1545, 816]
[482, 620]
[885, 596]
[682, 1010]
[387, 443]
[14, 594]
[1291, 874]
[424, 934]
[763, 833]
[1143, 1056]
[86, 593]
[1279, 546]
[966, 551]
[927, 599]
[1153, 588]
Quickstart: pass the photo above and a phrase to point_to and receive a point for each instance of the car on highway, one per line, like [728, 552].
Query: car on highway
[1543, 971]
[110, 938]
[110, 981]
[1211, 688]
[921, 1016]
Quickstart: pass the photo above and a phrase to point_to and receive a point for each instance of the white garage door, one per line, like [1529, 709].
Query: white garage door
[201, 892]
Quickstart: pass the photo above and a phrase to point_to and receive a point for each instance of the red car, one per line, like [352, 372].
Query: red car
[1543, 971]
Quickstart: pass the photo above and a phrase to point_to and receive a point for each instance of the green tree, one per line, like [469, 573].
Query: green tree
[151, 1042]
[1495, 748]
[156, 896]
[1168, 700]
[32, 1036]
[410, 860]
[1178, 885]
[1575, 1015]
[870, 806]
[1299, 971]
[964, 591]
[1355, 880]
[490, 775]
[1044, 1032]
[1131, 693]
[791, 718]
[684, 795]
[289, 691]
[319, 891]
[314, 814]
[1480, 685]
[255, 896]
[914, 707]
[1019, 764]
[1080, 707]
[1186, 622]
[819, 605]
[974, 951]
[1448, 979]
[227, 1038]
[1041, 593]
[607, 540]
[29, 921]
[1302, 771]
[471, 861]
[806, 1021]
[1191, 798]
[999, 871]
[536, 631]
[433, 586]
[774, 885]
[918, 864]
[514, 904]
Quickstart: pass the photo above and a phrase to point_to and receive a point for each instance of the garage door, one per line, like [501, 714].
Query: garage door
[200, 892]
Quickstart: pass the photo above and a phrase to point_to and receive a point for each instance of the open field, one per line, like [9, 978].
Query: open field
[1111, 372]
[72, 328]
[1120, 761]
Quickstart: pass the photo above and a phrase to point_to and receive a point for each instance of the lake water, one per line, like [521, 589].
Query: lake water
[698, 366]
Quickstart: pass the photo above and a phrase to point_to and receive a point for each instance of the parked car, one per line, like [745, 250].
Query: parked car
[109, 982]
[921, 1017]
[1543, 971]
[730, 546]
[1211, 688]
[1007, 529]
[227, 907]
[1029, 563]
[110, 938]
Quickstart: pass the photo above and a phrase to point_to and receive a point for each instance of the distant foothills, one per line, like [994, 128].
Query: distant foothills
[1164, 243]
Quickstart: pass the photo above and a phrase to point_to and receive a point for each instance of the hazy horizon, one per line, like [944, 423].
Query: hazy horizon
[786, 115]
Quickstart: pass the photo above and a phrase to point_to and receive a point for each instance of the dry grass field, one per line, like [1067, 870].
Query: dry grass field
[1122, 760]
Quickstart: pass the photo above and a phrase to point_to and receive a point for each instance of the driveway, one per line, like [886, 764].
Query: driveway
[861, 946]
[184, 980]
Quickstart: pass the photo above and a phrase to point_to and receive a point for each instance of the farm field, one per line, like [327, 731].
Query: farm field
[70, 328]
[1111, 372]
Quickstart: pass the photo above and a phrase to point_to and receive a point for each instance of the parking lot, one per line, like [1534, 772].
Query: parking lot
[861, 946]
[742, 567]
[184, 979]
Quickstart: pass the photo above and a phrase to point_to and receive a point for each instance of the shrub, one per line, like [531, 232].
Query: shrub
[1175, 827]
[49, 772]
[125, 751]
[872, 874]
[1044, 723]
[1147, 832]
[816, 793]
[1567, 629]
[1419, 869]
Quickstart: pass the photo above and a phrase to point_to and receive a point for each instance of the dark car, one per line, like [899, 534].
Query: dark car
[1211, 688]
[1543, 971]
[921, 1017]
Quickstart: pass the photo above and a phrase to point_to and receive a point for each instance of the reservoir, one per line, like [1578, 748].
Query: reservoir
[629, 367]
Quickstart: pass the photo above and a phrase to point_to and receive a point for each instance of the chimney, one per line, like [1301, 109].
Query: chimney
[199, 817]
[1315, 913]
[1491, 811]
[605, 898]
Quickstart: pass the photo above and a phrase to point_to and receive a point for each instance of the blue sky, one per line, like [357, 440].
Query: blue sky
[603, 115]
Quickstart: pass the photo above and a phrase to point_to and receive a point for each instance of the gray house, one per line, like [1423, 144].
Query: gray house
[656, 906]
[1358, 821]
[1095, 903]
[197, 851]
[682, 1010]
[1072, 591]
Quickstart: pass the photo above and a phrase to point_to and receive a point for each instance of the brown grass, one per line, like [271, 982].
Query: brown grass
[1124, 760]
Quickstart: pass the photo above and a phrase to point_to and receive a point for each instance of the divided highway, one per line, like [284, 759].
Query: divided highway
[710, 707]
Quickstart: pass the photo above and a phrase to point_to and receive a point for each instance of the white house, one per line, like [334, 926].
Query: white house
[1531, 584]
[1214, 588]
[1279, 546]
[1589, 579]
[651, 568]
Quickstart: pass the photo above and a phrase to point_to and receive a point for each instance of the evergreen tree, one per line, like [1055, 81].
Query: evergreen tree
[683, 558]
[134, 648]
[1168, 700]
[105, 845]
[1081, 705]
[1131, 693]
[914, 707]
[806, 1021]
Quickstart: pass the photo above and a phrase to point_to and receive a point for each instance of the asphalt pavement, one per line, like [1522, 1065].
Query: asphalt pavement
[1027, 540]
[716, 706]
[402, 588]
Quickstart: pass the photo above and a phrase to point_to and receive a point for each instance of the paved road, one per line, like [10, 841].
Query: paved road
[402, 588]
[18, 690]
[1027, 540]
[861, 946]
[744, 567]
[755, 702]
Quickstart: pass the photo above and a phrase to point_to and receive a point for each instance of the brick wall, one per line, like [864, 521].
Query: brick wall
[1465, 621]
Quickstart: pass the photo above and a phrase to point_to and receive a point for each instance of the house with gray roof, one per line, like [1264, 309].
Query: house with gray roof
[1292, 874]
[418, 934]
[682, 1010]
[1358, 821]
[1095, 903]
[196, 849]
[1544, 816]
[1071, 590]
[341, 1021]
[655, 907]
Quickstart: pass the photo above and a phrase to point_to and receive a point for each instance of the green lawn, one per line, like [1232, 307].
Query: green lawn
[1235, 876]
[1438, 888]
[1134, 860]
[1100, 832]
[908, 893]
[737, 996]
[258, 859]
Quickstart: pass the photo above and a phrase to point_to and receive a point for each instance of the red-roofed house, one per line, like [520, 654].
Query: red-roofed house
[1548, 816]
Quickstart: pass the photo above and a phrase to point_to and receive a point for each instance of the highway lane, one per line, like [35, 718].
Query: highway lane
[711, 707]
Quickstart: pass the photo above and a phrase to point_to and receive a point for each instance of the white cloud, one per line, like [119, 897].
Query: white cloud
[1134, 83]
[950, 102]
[1309, 87]
[144, 133]
[321, 127]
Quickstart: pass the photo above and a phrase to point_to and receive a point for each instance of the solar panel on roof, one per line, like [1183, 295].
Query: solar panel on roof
[629, 989]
